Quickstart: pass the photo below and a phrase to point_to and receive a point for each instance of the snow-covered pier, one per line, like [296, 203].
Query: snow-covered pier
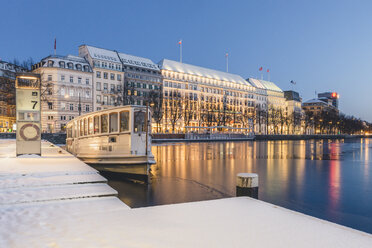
[57, 201]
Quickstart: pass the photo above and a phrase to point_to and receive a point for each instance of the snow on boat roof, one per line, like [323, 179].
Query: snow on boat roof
[172, 65]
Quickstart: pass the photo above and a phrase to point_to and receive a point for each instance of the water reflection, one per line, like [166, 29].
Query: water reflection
[329, 179]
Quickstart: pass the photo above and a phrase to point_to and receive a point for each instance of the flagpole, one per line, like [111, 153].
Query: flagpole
[227, 62]
[180, 42]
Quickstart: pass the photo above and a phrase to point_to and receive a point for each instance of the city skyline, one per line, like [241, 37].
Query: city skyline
[312, 44]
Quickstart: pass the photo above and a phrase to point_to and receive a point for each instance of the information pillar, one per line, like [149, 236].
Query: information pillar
[28, 114]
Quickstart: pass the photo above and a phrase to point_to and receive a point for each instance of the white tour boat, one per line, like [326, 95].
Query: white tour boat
[115, 140]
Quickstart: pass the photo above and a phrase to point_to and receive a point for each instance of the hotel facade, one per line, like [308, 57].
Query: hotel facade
[197, 99]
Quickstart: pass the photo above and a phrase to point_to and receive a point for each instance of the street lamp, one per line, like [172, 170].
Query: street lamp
[79, 106]
[147, 120]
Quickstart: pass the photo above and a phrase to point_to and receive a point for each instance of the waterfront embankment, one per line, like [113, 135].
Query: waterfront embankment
[163, 138]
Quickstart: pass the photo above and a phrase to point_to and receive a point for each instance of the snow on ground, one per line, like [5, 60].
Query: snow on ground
[233, 222]
[56, 201]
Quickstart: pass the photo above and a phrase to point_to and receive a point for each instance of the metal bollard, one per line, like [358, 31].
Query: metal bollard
[247, 185]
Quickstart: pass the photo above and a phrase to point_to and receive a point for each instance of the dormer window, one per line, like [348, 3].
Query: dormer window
[70, 65]
[62, 64]
[86, 68]
[78, 67]
[50, 63]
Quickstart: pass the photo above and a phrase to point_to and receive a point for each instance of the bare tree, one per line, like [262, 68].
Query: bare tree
[187, 111]
[175, 108]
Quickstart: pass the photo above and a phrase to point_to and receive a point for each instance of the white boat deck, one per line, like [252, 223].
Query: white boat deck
[58, 201]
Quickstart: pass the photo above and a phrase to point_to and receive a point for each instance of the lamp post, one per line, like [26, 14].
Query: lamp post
[79, 106]
[147, 121]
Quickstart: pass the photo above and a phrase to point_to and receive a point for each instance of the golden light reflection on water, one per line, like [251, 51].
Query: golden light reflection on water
[334, 177]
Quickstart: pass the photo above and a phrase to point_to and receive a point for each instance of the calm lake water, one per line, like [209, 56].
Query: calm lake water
[328, 179]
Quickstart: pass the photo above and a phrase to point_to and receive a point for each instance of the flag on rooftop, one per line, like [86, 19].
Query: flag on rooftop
[293, 82]
[268, 70]
[180, 42]
[260, 68]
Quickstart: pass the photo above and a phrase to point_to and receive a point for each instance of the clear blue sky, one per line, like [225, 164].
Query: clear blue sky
[322, 45]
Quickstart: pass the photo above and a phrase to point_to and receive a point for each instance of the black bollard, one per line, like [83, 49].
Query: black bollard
[247, 185]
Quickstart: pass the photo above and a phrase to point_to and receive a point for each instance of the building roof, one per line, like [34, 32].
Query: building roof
[69, 57]
[103, 54]
[262, 84]
[131, 60]
[116, 57]
[171, 65]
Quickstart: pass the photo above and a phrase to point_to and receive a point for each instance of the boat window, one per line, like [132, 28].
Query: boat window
[85, 126]
[139, 122]
[124, 121]
[96, 124]
[69, 132]
[81, 127]
[104, 123]
[90, 125]
[113, 122]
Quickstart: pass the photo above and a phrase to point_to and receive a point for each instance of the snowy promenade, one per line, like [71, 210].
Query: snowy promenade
[58, 201]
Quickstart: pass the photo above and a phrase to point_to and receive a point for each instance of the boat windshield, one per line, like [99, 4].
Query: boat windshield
[139, 122]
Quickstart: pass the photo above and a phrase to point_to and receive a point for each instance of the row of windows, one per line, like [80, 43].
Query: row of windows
[106, 100]
[137, 93]
[70, 92]
[105, 75]
[141, 85]
[142, 77]
[63, 78]
[103, 64]
[105, 87]
[70, 106]
[62, 117]
[69, 65]
[108, 123]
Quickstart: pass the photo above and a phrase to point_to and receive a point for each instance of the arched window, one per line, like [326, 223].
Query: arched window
[50, 63]
[70, 65]
[78, 67]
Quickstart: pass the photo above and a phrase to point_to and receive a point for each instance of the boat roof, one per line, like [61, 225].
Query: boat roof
[108, 110]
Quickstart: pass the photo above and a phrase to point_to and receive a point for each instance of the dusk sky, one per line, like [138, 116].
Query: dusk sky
[321, 45]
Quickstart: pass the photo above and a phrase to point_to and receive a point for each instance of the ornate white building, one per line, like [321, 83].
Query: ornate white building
[197, 97]
[66, 90]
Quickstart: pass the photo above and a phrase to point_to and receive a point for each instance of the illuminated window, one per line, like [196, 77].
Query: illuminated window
[124, 121]
[104, 123]
[113, 122]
